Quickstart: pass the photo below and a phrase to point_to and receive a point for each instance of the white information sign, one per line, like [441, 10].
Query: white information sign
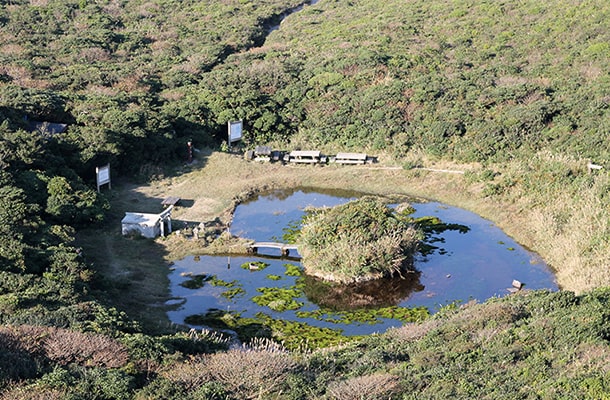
[235, 131]
[103, 176]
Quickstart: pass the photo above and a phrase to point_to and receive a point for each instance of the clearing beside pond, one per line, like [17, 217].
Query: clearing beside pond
[216, 182]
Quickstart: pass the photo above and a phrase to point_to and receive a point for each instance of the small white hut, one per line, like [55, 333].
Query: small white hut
[148, 225]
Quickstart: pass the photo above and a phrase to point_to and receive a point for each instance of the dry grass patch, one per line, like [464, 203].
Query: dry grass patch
[19, 392]
[590, 357]
[67, 347]
[368, 387]
[190, 374]
[414, 331]
[252, 371]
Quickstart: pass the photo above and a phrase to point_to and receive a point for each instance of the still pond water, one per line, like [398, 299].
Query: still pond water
[479, 263]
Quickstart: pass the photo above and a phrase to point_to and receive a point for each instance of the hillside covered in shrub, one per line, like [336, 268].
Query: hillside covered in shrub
[465, 81]
[521, 90]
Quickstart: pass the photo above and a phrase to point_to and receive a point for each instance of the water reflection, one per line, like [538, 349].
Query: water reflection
[475, 263]
[385, 292]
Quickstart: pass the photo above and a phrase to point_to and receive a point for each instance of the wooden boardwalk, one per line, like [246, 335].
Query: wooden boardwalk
[283, 247]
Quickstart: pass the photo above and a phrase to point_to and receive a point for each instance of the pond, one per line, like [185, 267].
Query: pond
[476, 262]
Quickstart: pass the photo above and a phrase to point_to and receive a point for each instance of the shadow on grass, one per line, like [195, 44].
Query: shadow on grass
[131, 271]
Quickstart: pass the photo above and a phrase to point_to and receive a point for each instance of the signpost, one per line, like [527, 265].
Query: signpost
[103, 176]
[235, 131]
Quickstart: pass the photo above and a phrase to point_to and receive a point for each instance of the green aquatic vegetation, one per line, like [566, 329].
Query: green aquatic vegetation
[301, 336]
[215, 281]
[433, 226]
[367, 316]
[279, 299]
[293, 335]
[234, 288]
[245, 328]
[196, 281]
[404, 314]
[232, 293]
[274, 277]
[291, 232]
[293, 270]
[255, 265]
[214, 318]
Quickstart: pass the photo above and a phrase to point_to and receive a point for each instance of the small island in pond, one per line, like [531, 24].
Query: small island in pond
[362, 240]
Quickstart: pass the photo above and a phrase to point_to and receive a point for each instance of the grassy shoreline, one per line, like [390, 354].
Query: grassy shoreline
[213, 185]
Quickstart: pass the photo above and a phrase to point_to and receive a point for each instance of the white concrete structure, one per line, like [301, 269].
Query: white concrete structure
[148, 225]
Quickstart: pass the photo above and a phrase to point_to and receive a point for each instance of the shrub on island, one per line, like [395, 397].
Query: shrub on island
[361, 240]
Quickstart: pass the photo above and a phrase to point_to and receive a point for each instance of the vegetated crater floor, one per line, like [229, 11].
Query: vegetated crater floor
[214, 184]
[475, 260]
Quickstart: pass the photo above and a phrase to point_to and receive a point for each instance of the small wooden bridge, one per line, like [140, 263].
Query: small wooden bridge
[283, 247]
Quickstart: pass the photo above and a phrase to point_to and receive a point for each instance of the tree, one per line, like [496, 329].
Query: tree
[71, 203]
[13, 214]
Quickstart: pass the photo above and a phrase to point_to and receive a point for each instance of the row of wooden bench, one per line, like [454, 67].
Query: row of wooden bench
[264, 153]
[315, 157]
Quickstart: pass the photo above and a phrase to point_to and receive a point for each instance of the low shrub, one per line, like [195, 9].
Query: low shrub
[26, 349]
[356, 241]
[16, 361]
[252, 371]
[66, 347]
[367, 387]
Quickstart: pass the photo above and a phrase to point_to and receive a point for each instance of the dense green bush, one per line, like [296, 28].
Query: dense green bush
[361, 240]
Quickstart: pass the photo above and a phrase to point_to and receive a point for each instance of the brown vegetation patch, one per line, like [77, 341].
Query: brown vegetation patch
[65, 346]
[367, 387]
[481, 315]
[190, 374]
[252, 371]
[414, 331]
[32, 393]
[590, 357]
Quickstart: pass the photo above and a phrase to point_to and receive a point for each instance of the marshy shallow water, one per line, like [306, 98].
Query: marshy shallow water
[475, 263]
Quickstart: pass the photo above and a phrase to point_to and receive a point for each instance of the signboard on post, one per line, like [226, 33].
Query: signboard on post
[235, 131]
[103, 176]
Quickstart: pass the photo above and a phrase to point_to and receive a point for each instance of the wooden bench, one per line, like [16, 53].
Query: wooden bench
[170, 201]
[516, 286]
[350, 158]
[276, 155]
[591, 167]
[262, 151]
[305, 156]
